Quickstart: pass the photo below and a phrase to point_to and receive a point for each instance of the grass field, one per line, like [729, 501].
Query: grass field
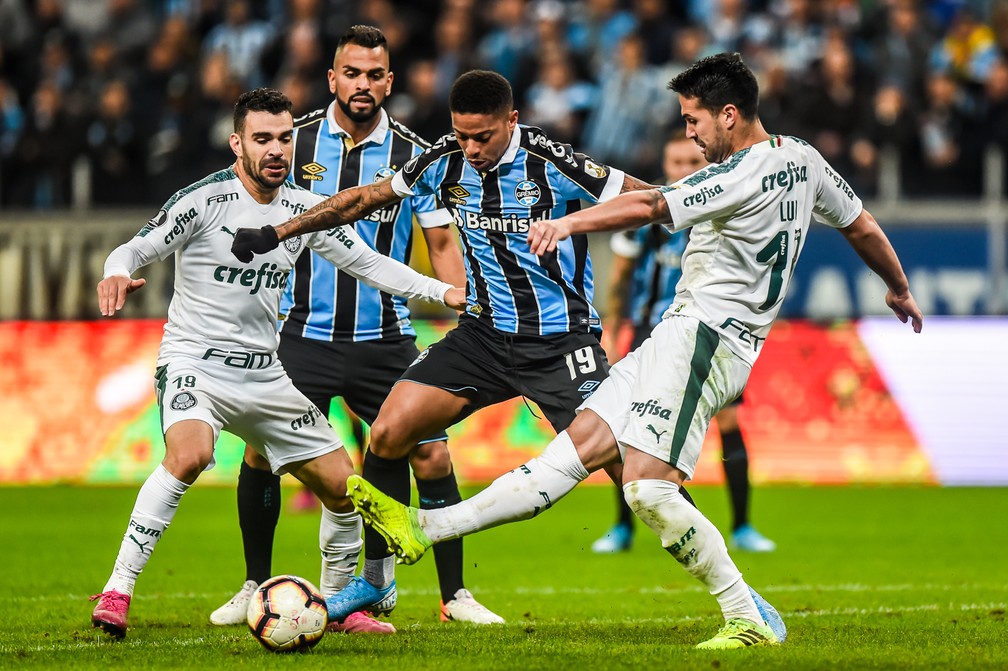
[864, 577]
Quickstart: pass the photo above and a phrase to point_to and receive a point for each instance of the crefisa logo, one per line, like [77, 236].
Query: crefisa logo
[527, 193]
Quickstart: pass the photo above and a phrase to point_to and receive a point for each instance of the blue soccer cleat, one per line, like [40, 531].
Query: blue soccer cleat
[359, 595]
[748, 539]
[617, 539]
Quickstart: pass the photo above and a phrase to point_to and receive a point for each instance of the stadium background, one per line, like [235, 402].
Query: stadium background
[109, 106]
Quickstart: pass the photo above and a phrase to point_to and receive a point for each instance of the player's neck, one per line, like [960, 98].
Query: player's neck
[752, 134]
[259, 193]
[357, 131]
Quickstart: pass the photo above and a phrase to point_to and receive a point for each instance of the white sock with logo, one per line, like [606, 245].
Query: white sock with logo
[340, 541]
[694, 542]
[153, 511]
[517, 495]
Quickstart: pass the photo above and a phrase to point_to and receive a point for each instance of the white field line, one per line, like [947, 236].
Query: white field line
[102, 640]
[576, 591]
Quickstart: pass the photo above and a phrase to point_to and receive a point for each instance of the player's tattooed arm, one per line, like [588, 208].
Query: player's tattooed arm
[627, 210]
[343, 207]
[631, 183]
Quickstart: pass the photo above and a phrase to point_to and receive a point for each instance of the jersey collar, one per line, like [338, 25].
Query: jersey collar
[512, 150]
[377, 136]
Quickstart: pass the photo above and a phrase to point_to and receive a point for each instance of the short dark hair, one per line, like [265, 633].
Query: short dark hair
[368, 37]
[260, 100]
[481, 92]
[719, 80]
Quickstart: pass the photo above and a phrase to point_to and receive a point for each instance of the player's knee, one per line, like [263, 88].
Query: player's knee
[186, 465]
[255, 460]
[390, 438]
[431, 461]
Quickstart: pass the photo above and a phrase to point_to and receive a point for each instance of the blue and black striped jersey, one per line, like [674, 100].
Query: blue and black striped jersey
[322, 302]
[536, 179]
[657, 254]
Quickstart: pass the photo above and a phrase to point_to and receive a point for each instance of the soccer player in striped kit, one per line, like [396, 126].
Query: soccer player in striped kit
[343, 338]
[529, 328]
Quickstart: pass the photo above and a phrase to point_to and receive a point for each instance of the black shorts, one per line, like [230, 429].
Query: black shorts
[642, 333]
[488, 366]
[361, 373]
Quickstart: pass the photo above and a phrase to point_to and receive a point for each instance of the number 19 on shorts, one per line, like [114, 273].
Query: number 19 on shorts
[580, 362]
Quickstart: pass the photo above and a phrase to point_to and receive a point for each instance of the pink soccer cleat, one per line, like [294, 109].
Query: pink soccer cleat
[362, 623]
[110, 613]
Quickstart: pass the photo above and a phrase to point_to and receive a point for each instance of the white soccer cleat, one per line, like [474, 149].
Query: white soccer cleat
[234, 611]
[465, 608]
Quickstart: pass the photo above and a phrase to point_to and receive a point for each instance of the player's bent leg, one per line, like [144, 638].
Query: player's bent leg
[396, 522]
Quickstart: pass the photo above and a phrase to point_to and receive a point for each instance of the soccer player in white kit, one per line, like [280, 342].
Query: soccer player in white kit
[217, 366]
[749, 214]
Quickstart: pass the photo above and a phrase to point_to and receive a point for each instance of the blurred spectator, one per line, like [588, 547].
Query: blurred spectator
[968, 50]
[131, 27]
[11, 126]
[558, 102]
[41, 162]
[508, 43]
[396, 21]
[627, 125]
[454, 53]
[796, 35]
[656, 27]
[889, 125]
[420, 107]
[777, 101]
[596, 31]
[116, 150]
[901, 48]
[242, 39]
[299, 64]
[995, 111]
[948, 133]
[212, 118]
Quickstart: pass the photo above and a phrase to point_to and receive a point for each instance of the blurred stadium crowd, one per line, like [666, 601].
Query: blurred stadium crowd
[143, 90]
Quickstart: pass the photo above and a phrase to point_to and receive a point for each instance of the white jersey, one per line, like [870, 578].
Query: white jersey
[222, 305]
[750, 215]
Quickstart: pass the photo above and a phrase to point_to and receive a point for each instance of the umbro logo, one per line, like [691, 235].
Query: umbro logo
[313, 171]
[457, 194]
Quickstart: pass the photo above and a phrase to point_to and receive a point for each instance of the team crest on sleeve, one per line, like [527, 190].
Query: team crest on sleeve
[594, 169]
[183, 401]
[527, 193]
[411, 165]
[383, 173]
[157, 220]
[293, 245]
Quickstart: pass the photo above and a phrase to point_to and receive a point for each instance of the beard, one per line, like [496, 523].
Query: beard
[256, 172]
[360, 116]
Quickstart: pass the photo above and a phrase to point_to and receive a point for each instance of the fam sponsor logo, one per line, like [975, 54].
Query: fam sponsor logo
[384, 173]
[267, 276]
[527, 193]
[308, 418]
[785, 179]
[457, 194]
[312, 171]
[742, 332]
[222, 197]
[650, 407]
[182, 401]
[703, 195]
[504, 223]
[238, 358]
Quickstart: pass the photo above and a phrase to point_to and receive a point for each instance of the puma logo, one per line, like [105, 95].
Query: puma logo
[142, 546]
[225, 229]
[657, 436]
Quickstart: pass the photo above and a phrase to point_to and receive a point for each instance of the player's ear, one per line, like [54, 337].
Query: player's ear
[332, 81]
[235, 143]
[388, 84]
[512, 119]
[729, 115]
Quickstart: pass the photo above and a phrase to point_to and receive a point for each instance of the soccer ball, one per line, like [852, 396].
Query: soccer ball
[287, 613]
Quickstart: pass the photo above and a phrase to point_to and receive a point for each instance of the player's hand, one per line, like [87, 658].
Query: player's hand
[112, 292]
[455, 298]
[251, 241]
[906, 308]
[543, 236]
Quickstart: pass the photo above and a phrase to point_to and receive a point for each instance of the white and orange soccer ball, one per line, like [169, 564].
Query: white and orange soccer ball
[287, 613]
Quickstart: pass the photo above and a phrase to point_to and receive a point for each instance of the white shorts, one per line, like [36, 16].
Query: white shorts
[261, 406]
[660, 398]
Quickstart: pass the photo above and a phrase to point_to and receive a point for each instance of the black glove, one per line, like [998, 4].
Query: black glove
[251, 241]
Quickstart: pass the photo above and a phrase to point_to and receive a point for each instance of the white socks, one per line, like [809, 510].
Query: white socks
[340, 541]
[517, 495]
[694, 542]
[379, 572]
[153, 511]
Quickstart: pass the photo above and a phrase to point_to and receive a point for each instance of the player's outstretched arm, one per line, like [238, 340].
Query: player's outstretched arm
[627, 210]
[344, 207]
[874, 248]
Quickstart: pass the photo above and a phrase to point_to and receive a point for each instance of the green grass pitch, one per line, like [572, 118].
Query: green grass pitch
[865, 577]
